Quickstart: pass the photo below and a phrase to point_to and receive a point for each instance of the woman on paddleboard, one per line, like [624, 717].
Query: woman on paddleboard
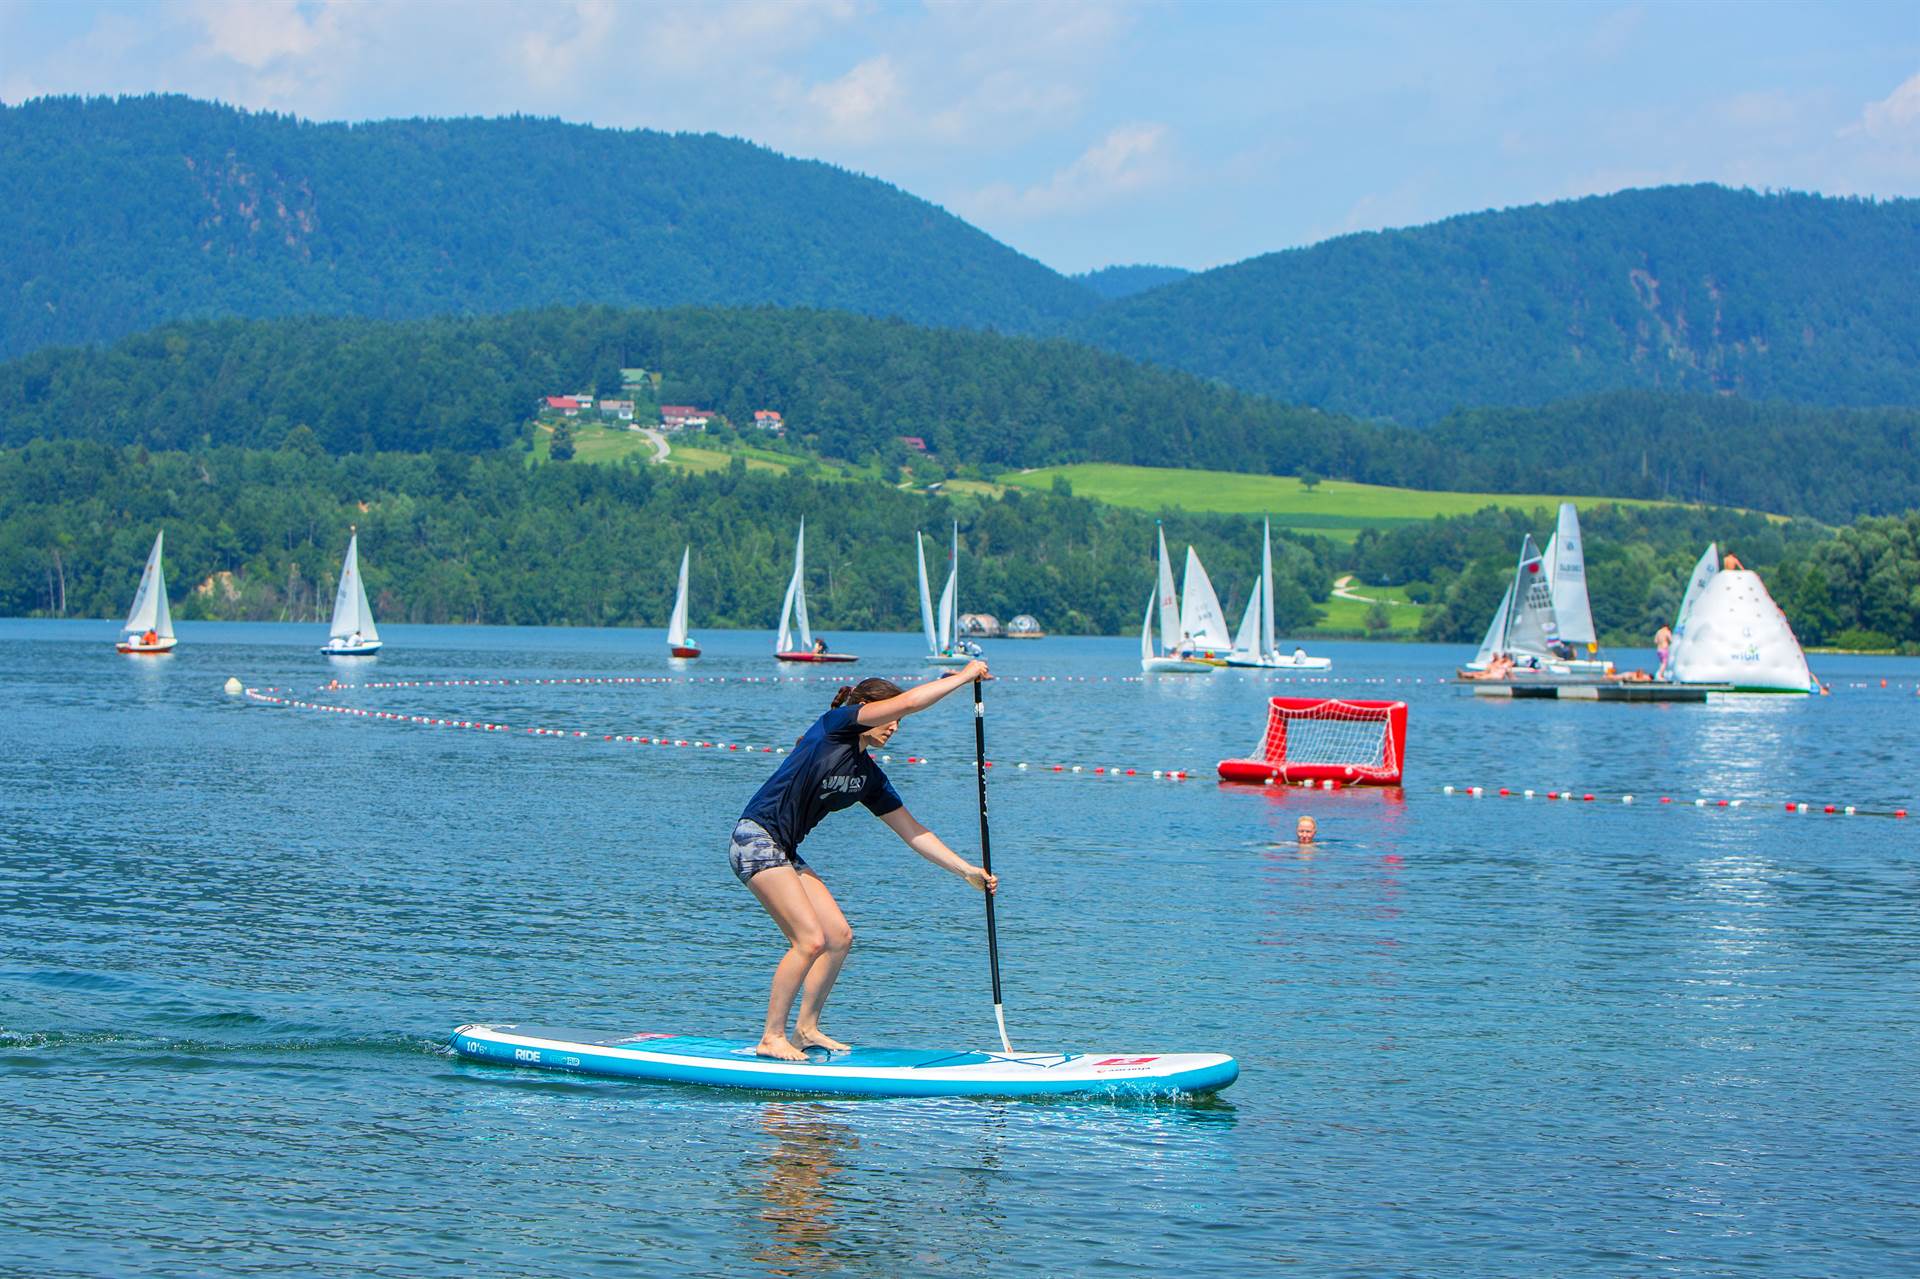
[827, 770]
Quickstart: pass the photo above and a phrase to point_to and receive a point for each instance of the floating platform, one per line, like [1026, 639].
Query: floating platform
[1600, 690]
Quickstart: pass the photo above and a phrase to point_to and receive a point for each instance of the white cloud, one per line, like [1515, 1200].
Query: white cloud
[1895, 118]
[1129, 160]
[860, 104]
[256, 33]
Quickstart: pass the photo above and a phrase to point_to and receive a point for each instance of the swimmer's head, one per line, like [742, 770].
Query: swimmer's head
[1304, 830]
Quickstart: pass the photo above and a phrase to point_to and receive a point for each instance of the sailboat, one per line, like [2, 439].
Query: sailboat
[1568, 566]
[1254, 643]
[1168, 606]
[353, 633]
[149, 627]
[795, 609]
[677, 642]
[944, 645]
[1526, 627]
[1203, 626]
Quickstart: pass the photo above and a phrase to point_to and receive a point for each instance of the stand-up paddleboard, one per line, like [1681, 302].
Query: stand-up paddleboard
[873, 1072]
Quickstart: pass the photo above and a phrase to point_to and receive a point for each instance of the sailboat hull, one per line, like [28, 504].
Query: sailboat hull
[351, 650]
[816, 657]
[684, 650]
[1174, 666]
[150, 650]
[947, 659]
[1283, 663]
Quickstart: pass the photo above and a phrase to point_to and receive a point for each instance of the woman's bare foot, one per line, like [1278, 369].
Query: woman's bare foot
[817, 1038]
[777, 1046]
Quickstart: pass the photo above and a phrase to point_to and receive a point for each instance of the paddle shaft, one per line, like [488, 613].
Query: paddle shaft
[986, 857]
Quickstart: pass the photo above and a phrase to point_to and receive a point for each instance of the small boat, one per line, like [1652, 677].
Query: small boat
[353, 633]
[1567, 563]
[1158, 662]
[1522, 640]
[795, 609]
[1254, 644]
[678, 644]
[944, 645]
[149, 627]
[1203, 626]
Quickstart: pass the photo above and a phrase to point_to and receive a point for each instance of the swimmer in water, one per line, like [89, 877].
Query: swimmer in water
[1304, 830]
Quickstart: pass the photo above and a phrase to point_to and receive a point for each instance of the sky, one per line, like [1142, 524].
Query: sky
[1087, 133]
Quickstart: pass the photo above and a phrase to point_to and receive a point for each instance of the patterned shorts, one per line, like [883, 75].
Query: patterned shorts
[754, 850]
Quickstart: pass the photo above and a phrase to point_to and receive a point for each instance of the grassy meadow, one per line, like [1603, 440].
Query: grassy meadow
[1333, 508]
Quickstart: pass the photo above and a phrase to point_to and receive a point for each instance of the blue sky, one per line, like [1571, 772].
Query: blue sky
[1089, 133]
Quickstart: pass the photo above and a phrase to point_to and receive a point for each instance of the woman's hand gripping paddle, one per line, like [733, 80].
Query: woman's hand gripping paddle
[986, 857]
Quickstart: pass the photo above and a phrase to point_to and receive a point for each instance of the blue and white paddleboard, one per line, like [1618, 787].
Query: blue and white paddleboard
[874, 1072]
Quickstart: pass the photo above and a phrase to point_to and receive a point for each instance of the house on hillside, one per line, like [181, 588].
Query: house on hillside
[768, 420]
[565, 405]
[622, 409]
[917, 443]
[684, 417]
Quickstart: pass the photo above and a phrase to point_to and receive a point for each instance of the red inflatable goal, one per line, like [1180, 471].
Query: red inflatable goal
[1327, 739]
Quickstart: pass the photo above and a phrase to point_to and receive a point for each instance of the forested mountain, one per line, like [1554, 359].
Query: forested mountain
[452, 538]
[117, 215]
[1124, 281]
[850, 387]
[1699, 288]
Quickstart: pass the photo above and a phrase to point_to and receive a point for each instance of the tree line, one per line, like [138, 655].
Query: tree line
[447, 537]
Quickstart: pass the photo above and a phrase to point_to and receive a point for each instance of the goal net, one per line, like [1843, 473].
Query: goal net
[1327, 739]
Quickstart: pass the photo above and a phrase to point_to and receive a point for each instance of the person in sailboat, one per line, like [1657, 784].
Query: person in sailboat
[819, 644]
[829, 769]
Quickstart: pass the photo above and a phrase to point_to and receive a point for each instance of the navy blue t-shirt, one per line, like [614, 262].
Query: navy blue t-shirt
[825, 772]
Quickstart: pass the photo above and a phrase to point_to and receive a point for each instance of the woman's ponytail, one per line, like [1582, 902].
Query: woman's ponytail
[867, 690]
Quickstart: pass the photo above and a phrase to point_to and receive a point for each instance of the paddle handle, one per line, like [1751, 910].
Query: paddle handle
[986, 857]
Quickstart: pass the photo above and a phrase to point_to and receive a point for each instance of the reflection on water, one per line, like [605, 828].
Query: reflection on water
[796, 1176]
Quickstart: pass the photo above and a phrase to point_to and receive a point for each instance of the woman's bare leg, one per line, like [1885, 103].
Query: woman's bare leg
[838, 935]
[780, 891]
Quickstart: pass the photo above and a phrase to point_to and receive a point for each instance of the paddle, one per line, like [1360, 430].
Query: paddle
[986, 857]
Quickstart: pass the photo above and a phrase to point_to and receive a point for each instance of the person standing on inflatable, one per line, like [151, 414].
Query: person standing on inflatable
[829, 769]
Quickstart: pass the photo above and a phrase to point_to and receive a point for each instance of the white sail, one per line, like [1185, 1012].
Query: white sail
[926, 600]
[1531, 625]
[1495, 640]
[352, 615]
[1201, 621]
[150, 611]
[1146, 630]
[795, 607]
[1268, 645]
[1168, 601]
[1247, 638]
[677, 624]
[1703, 571]
[949, 617]
[1567, 558]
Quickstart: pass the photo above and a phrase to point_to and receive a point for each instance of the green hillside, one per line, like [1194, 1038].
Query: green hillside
[120, 214]
[852, 389]
[1698, 289]
[1335, 508]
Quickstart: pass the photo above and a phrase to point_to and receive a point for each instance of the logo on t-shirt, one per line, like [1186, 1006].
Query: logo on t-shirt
[844, 784]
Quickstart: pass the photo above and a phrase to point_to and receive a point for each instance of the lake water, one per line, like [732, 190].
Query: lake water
[1477, 1036]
